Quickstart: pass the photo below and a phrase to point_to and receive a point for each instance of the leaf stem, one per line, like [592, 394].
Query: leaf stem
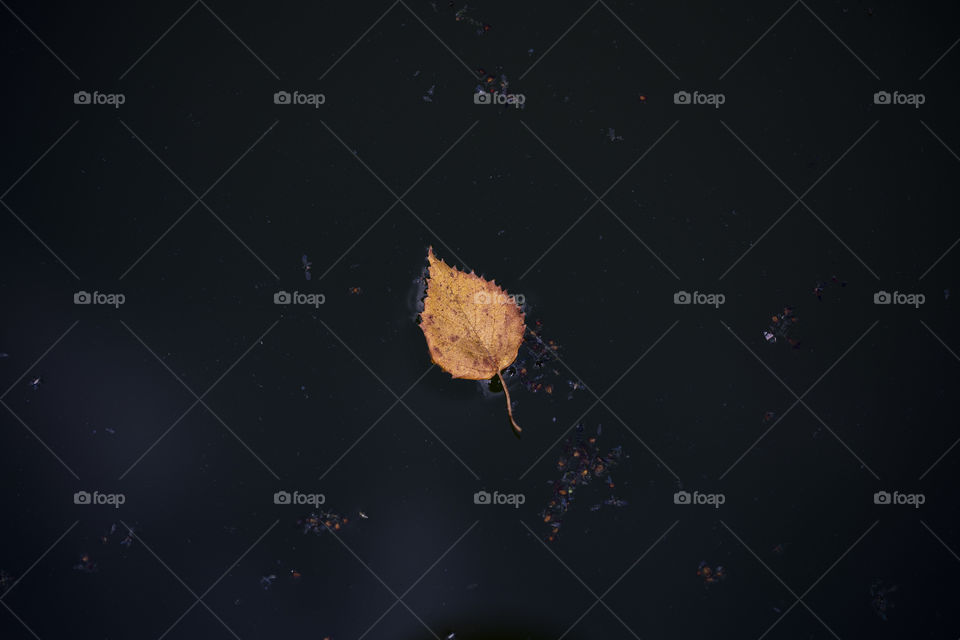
[506, 392]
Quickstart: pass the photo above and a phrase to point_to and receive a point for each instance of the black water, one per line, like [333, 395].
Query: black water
[305, 399]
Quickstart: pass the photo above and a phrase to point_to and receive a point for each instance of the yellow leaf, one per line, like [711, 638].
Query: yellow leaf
[473, 327]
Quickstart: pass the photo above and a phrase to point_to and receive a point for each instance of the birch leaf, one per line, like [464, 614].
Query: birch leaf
[473, 327]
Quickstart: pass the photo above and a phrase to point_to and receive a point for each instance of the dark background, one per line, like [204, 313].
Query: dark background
[295, 389]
